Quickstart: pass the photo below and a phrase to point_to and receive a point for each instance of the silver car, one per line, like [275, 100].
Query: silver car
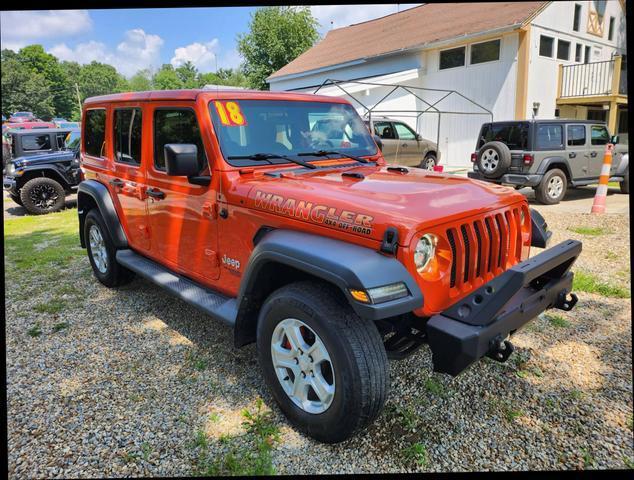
[402, 145]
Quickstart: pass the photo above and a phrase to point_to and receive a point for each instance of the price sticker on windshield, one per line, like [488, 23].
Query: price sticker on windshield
[230, 114]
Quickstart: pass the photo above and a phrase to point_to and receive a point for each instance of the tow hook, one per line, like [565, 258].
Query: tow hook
[563, 303]
[500, 349]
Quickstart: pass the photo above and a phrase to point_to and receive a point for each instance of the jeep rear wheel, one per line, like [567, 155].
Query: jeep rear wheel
[42, 195]
[552, 188]
[102, 252]
[326, 367]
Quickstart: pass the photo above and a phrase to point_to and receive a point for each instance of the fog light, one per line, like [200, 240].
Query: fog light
[388, 292]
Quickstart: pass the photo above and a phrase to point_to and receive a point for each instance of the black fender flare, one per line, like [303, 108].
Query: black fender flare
[48, 168]
[342, 264]
[545, 164]
[91, 193]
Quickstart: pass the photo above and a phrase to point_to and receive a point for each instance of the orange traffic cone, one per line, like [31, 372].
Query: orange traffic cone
[598, 206]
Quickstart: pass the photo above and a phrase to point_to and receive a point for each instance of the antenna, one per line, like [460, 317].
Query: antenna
[216, 60]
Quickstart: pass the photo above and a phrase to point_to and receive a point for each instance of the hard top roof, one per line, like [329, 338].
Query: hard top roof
[553, 120]
[36, 131]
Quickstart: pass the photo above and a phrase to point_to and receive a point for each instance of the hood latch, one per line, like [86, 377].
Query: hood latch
[390, 241]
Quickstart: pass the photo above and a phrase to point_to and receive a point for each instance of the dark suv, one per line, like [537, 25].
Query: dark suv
[548, 155]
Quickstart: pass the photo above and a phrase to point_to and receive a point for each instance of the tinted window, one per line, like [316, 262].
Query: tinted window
[32, 143]
[176, 126]
[127, 135]
[454, 57]
[60, 140]
[563, 50]
[95, 132]
[546, 46]
[514, 135]
[549, 137]
[611, 29]
[404, 132]
[576, 135]
[577, 18]
[485, 52]
[384, 130]
[599, 135]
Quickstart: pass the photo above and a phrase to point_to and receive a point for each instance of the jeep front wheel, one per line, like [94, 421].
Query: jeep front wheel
[102, 252]
[552, 188]
[326, 367]
[42, 195]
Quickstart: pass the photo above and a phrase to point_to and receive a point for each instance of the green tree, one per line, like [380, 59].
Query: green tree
[100, 79]
[188, 75]
[72, 70]
[277, 35]
[166, 78]
[141, 81]
[24, 89]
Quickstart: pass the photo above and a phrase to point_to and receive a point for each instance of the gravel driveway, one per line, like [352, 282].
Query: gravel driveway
[135, 383]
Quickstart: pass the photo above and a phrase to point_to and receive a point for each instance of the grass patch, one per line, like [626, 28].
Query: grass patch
[586, 282]
[434, 387]
[35, 330]
[629, 463]
[52, 306]
[252, 459]
[58, 327]
[588, 459]
[575, 394]
[557, 320]
[590, 231]
[416, 453]
[214, 417]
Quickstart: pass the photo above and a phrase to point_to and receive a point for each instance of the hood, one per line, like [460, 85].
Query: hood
[46, 157]
[365, 200]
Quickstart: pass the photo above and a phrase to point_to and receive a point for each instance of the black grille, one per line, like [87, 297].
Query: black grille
[479, 248]
[452, 245]
[487, 222]
[467, 253]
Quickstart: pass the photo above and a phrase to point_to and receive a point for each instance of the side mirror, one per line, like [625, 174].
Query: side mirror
[181, 159]
[614, 139]
[378, 141]
[419, 137]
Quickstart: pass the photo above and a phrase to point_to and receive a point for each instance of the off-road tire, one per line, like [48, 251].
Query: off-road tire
[625, 183]
[30, 189]
[500, 153]
[114, 274]
[428, 162]
[16, 199]
[359, 360]
[542, 190]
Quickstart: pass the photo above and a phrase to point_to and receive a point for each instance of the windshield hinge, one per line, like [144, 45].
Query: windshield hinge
[390, 241]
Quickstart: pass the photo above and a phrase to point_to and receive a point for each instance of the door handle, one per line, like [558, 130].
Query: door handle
[155, 193]
[117, 183]
[403, 144]
[593, 154]
[572, 155]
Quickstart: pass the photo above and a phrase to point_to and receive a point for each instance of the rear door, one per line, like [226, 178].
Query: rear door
[577, 150]
[385, 130]
[599, 138]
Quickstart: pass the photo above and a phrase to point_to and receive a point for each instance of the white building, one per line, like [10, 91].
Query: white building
[560, 58]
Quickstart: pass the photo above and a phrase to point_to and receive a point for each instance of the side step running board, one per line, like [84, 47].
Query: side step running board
[215, 304]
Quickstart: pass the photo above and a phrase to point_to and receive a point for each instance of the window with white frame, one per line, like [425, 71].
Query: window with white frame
[577, 18]
[454, 57]
[546, 45]
[485, 52]
[611, 29]
[578, 52]
[563, 49]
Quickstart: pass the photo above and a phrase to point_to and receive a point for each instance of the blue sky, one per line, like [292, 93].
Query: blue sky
[146, 38]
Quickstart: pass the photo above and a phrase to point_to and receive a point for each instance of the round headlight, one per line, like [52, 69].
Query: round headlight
[424, 252]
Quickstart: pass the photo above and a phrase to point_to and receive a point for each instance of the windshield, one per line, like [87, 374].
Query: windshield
[249, 127]
[514, 135]
[72, 140]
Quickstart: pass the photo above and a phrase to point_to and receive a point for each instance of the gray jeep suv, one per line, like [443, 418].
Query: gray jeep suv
[548, 155]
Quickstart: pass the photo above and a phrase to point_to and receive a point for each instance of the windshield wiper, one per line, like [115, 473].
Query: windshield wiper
[325, 153]
[268, 156]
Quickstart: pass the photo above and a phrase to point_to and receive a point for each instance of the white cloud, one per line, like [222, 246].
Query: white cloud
[21, 28]
[138, 50]
[344, 15]
[202, 55]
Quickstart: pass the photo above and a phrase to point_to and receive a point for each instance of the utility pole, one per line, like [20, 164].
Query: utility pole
[78, 97]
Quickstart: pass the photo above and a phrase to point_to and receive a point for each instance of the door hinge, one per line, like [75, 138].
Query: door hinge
[210, 210]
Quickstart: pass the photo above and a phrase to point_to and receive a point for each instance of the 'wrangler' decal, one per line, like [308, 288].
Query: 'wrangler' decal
[343, 219]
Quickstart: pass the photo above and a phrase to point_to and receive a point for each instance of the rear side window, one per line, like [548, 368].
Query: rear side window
[127, 135]
[549, 137]
[176, 126]
[576, 135]
[31, 143]
[599, 135]
[514, 135]
[95, 132]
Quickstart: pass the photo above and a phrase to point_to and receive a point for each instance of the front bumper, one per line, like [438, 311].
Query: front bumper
[517, 179]
[477, 325]
[9, 185]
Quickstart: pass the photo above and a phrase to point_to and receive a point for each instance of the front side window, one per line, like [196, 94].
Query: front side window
[384, 130]
[563, 50]
[246, 128]
[32, 143]
[176, 126]
[576, 135]
[95, 132]
[127, 135]
[454, 57]
[546, 46]
[514, 135]
[549, 137]
[599, 135]
[404, 132]
[485, 52]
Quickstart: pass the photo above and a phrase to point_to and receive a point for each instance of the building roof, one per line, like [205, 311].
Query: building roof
[412, 28]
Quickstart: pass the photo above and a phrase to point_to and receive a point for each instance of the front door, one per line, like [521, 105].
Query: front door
[385, 130]
[181, 214]
[409, 147]
[577, 150]
[599, 138]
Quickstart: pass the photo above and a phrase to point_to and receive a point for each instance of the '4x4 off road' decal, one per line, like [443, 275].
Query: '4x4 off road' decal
[342, 219]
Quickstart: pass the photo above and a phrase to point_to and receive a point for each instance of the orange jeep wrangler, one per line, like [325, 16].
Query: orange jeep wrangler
[306, 242]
